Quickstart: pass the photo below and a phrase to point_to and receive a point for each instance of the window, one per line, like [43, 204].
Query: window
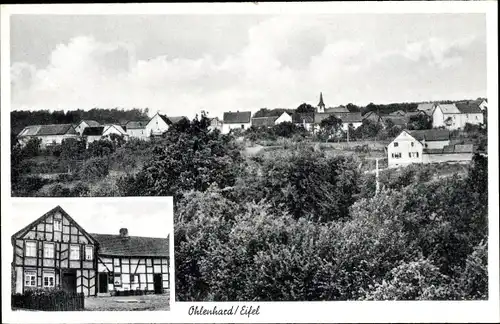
[117, 279]
[30, 279]
[242, 126]
[396, 144]
[48, 250]
[74, 252]
[392, 155]
[30, 249]
[416, 153]
[410, 154]
[412, 144]
[57, 225]
[48, 279]
[397, 155]
[89, 253]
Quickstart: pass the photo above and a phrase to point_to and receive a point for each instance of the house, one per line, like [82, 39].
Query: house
[339, 109]
[398, 113]
[427, 108]
[159, 124]
[236, 120]
[456, 115]
[137, 129]
[409, 146]
[400, 121]
[268, 121]
[350, 118]
[91, 134]
[372, 116]
[85, 123]
[305, 120]
[283, 118]
[215, 123]
[48, 134]
[54, 251]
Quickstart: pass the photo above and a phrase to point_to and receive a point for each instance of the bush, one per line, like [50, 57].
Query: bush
[94, 168]
[28, 186]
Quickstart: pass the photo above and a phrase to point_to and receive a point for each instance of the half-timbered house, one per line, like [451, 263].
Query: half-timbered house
[55, 252]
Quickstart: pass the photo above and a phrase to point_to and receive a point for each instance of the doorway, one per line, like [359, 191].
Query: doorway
[69, 280]
[103, 282]
[157, 282]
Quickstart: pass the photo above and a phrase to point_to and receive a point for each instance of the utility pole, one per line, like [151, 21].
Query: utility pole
[377, 183]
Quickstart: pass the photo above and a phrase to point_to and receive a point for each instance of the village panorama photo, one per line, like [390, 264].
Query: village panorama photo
[75, 254]
[314, 157]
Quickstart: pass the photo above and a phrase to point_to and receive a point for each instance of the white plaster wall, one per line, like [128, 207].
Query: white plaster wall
[226, 128]
[404, 146]
[283, 118]
[156, 126]
[437, 118]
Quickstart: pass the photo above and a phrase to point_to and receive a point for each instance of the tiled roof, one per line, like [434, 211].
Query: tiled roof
[132, 245]
[136, 124]
[427, 108]
[339, 109]
[318, 117]
[91, 123]
[349, 117]
[430, 134]
[448, 149]
[47, 130]
[396, 120]
[93, 131]
[176, 119]
[308, 118]
[398, 113]
[264, 121]
[239, 117]
[469, 107]
[449, 108]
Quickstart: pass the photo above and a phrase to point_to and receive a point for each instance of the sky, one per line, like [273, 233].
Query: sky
[142, 216]
[183, 64]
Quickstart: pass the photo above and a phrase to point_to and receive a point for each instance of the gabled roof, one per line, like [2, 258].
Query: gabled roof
[398, 113]
[339, 109]
[58, 208]
[117, 127]
[318, 117]
[264, 121]
[427, 108]
[93, 131]
[132, 246]
[300, 118]
[430, 134]
[239, 117]
[469, 107]
[448, 108]
[47, 130]
[136, 124]
[396, 120]
[176, 119]
[90, 122]
[349, 117]
[164, 117]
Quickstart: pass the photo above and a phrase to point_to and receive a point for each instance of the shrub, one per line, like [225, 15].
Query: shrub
[94, 168]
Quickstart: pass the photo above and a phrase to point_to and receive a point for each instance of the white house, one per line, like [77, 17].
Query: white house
[409, 146]
[215, 123]
[137, 129]
[91, 134]
[284, 118]
[48, 134]
[236, 120]
[114, 129]
[455, 116]
[157, 125]
[427, 108]
[85, 123]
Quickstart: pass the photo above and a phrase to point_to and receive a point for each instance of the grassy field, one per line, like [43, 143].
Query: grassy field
[129, 303]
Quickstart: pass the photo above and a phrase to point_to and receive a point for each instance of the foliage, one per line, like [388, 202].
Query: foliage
[100, 148]
[94, 168]
[420, 121]
[32, 147]
[264, 112]
[305, 108]
[331, 127]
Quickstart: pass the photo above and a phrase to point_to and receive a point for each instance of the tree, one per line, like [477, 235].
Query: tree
[305, 108]
[331, 127]
[420, 121]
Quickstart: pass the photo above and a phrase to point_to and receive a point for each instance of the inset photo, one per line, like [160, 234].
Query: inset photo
[91, 254]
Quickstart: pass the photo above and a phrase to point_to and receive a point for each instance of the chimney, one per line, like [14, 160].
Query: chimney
[123, 233]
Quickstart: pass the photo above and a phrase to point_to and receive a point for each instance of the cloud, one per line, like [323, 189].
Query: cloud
[287, 60]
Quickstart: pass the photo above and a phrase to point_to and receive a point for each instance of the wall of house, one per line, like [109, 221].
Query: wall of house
[447, 157]
[44, 233]
[283, 118]
[404, 144]
[156, 126]
[89, 139]
[80, 128]
[54, 139]
[437, 118]
[142, 268]
[226, 128]
[436, 144]
[140, 133]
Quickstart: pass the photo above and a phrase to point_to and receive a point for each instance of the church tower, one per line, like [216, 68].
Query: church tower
[321, 104]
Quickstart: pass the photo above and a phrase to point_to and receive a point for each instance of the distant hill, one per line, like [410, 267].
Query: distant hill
[23, 118]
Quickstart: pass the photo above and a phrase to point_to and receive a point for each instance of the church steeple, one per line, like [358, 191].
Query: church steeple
[321, 104]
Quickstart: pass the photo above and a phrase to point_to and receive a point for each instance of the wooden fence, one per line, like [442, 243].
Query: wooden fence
[68, 302]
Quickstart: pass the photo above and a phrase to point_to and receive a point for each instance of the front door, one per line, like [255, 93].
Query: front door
[157, 280]
[103, 282]
[69, 280]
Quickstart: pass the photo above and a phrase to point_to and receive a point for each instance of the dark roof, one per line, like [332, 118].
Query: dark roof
[427, 108]
[93, 131]
[136, 124]
[176, 119]
[164, 117]
[47, 130]
[58, 208]
[398, 113]
[396, 120]
[349, 117]
[430, 134]
[321, 103]
[264, 121]
[132, 245]
[469, 107]
[300, 118]
[458, 148]
[318, 117]
[339, 109]
[238, 117]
